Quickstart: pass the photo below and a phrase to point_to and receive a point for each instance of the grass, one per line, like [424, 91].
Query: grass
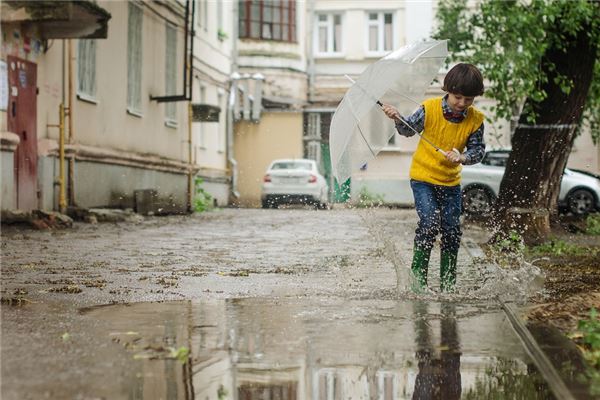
[588, 332]
[593, 224]
[558, 247]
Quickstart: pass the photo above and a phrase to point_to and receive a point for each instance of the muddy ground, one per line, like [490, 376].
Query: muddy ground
[572, 278]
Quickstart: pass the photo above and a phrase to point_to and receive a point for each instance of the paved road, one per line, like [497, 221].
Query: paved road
[53, 349]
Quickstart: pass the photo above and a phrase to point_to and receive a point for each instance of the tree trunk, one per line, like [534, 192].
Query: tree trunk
[531, 184]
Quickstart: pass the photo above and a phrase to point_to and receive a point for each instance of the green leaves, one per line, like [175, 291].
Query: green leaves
[508, 41]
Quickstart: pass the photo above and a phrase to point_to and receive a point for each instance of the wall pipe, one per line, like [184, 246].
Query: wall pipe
[62, 201]
[71, 174]
[190, 194]
[231, 103]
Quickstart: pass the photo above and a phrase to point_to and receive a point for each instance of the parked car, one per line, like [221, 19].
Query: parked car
[579, 192]
[294, 181]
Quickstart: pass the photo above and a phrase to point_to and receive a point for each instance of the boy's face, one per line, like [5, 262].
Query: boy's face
[458, 102]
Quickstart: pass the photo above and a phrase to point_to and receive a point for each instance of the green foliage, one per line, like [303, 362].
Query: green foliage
[181, 354]
[561, 248]
[507, 250]
[593, 224]
[366, 199]
[203, 201]
[222, 393]
[513, 243]
[589, 330]
[508, 41]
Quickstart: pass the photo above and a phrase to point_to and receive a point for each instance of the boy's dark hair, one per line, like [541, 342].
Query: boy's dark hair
[464, 79]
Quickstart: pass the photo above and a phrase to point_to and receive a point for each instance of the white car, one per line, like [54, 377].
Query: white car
[294, 181]
[579, 192]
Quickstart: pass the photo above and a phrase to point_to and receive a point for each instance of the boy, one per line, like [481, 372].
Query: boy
[453, 124]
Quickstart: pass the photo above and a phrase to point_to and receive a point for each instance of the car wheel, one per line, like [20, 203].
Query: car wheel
[580, 202]
[477, 201]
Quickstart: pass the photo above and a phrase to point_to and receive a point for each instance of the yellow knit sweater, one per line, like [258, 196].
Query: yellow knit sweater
[429, 165]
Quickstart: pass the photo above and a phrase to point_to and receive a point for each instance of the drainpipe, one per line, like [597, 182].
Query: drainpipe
[235, 76]
[230, 121]
[309, 45]
[190, 193]
[71, 175]
[62, 201]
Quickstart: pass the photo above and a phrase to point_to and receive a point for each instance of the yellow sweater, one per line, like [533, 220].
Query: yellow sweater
[429, 165]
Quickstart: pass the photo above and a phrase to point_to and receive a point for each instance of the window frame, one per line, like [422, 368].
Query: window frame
[202, 14]
[134, 99]
[330, 27]
[86, 58]
[290, 31]
[380, 23]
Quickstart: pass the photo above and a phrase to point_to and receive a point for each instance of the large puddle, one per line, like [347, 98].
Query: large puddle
[280, 349]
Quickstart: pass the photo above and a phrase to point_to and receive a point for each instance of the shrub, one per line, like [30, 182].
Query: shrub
[593, 224]
[203, 201]
[589, 332]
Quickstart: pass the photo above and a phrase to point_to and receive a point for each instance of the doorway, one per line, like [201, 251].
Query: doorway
[22, 120]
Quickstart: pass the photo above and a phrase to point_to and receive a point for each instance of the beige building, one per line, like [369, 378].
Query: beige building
[31, 39]
[271, 61]
[128, 140]
[213, 50]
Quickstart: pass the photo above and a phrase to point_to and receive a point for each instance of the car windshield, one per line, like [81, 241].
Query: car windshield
[292, 165]
[498, 159]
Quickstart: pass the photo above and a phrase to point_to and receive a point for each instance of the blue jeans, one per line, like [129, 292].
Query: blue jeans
[438, 207]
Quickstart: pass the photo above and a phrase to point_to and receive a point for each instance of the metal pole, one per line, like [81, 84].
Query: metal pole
[62, 202]
[190, 199]
[71, 175]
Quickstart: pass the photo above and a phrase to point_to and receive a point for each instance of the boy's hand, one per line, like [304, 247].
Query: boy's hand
[454, 156]
[391, 112]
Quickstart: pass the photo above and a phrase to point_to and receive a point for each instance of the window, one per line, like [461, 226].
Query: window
[268, 19]
[328, 34]
[86, 69]
[203, 14]
[134, 60]
[380, 31]
[171, 74]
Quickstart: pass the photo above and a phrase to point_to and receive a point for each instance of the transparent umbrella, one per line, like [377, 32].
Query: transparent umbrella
[359, 129]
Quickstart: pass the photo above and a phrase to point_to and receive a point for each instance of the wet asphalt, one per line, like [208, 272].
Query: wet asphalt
[287, 303]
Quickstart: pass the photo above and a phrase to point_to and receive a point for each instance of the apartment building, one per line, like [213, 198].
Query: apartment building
[121, 142]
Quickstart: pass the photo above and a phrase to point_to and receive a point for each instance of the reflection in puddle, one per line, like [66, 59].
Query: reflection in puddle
[255, 349]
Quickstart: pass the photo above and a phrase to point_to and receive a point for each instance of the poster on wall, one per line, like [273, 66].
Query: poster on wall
[3, 86]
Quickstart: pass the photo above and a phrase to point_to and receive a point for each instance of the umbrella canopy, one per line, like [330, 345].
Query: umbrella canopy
[359, 129]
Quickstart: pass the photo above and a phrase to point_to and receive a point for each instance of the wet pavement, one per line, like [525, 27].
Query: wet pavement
[267, 304]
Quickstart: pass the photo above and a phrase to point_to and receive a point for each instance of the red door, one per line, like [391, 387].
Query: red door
[22, 120]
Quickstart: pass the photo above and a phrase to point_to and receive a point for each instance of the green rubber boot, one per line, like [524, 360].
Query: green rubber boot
[448, 271]
[419, 267]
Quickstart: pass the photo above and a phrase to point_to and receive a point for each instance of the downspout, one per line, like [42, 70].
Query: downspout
[230, 121]
[190, 73]
[309, 45]
[71, 174]
[230, 104]
[190, 194]
[62, 201]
